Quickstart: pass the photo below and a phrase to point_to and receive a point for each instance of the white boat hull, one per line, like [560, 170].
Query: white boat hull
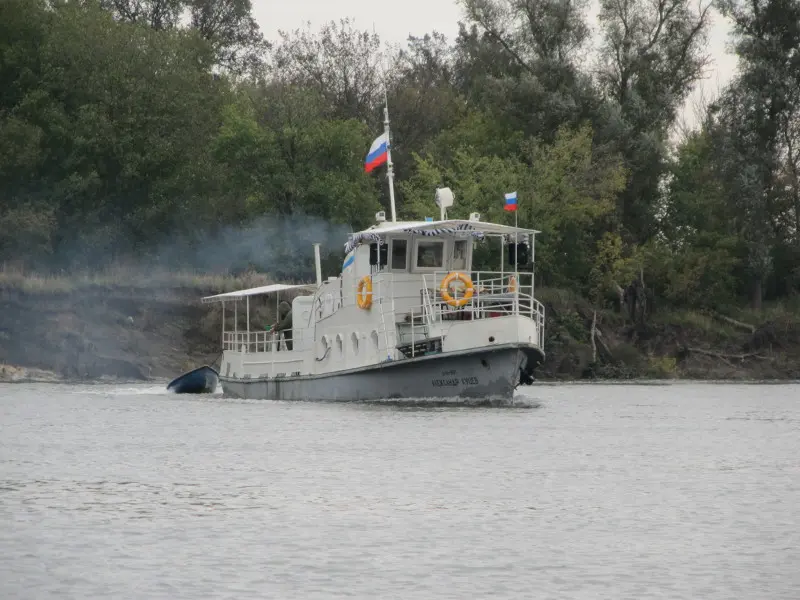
[488, 373]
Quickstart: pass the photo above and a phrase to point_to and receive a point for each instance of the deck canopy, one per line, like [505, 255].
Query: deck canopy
[259, 291]
[456, 227]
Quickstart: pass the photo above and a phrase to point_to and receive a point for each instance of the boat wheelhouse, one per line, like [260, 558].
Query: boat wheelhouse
[407, 317]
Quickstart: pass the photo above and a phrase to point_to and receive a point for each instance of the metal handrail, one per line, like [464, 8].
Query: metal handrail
[492, 296]
[257, 341]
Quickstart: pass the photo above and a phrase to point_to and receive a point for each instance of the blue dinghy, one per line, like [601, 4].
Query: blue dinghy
[202, 380]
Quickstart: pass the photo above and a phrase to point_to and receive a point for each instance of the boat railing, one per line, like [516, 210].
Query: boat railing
[494, 294]
[258, 341]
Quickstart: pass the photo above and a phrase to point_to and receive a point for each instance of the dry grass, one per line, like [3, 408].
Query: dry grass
[696, 321]
[786, 310]
[11, 373]
[122, 277]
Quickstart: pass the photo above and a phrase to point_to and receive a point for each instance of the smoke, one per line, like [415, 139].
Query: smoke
[277, 245]
[281, 246]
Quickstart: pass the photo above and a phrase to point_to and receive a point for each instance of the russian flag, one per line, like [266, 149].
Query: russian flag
[511, 201]
[378, 153]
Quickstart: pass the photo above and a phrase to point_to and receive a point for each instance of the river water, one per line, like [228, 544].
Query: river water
[583, 491]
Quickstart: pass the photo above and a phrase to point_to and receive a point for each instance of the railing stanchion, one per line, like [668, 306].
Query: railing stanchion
[413, 325]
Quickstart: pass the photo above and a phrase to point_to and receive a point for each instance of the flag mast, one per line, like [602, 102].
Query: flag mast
[516, 239]
[389, 165]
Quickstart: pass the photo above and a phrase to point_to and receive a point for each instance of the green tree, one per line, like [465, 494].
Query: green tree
[227, 27]
[287, 158]
[756, 131]
[158, 14]
[518, 61]
[339, 64]
[696, 260]
[113, 118]
[651, 56]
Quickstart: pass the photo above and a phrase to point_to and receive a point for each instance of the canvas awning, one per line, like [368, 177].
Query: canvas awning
[451, 225]
[259, 291]
[457, 227]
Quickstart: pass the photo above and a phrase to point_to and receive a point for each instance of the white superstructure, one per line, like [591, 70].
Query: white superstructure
[406, 290]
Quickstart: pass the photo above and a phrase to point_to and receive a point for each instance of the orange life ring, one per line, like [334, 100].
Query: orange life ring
[444, 288]
[363, 299]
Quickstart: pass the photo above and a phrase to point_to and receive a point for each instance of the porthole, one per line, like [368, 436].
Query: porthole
[354, 342]
[323, 346]
[374, 337]
[339, 343]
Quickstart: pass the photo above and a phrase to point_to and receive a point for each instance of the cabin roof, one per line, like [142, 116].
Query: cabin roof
[259, 291]
[456, 227]
[446, 227]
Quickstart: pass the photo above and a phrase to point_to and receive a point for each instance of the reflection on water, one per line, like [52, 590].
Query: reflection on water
[603, 491]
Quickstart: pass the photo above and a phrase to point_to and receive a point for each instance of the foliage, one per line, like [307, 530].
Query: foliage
[140, 130]
[662, 367]
[340, 64]
[757, 135]
[652, 53]
[226, 27]
[519, 63]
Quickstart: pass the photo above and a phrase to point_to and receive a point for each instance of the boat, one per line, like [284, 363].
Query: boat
[202, 380]
[408, 317]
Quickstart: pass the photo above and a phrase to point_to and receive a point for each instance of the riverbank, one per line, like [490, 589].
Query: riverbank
[584, 342]
[118, 325]
[154, 327]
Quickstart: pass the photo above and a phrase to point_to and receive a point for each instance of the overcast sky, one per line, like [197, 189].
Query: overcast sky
[395, 21]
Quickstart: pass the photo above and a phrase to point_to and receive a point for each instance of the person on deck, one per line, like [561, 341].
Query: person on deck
[284, 324]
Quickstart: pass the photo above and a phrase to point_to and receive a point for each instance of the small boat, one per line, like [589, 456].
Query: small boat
[202, 380]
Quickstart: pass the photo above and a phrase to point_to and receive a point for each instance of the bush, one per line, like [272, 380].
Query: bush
[662, 367]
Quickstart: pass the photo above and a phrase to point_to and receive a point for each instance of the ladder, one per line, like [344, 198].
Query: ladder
[384, 328]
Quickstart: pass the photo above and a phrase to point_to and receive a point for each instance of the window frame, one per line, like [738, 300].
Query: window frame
[391, 242]
[445, 254]
[467, 255]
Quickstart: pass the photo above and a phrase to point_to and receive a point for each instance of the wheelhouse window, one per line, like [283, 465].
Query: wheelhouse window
[460, 255]
[399, 254]
[430, 254]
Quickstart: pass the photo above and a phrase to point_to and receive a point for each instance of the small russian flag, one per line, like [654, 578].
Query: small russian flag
[378, 153]
[511, 201]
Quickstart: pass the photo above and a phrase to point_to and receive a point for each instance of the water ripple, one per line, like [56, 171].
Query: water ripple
[635, 491]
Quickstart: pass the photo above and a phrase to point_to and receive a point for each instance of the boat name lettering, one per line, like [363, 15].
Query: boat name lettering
[454, 381]
[450, 372]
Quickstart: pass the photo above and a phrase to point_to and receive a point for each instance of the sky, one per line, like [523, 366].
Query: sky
[395, 21]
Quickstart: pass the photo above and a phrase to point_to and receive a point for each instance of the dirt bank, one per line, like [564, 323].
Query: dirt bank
[583, 342]
[127, 333]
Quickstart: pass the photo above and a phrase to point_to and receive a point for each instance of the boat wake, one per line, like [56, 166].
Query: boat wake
[520, 402]
[134, 390]
[156, 390]
[119, 390]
